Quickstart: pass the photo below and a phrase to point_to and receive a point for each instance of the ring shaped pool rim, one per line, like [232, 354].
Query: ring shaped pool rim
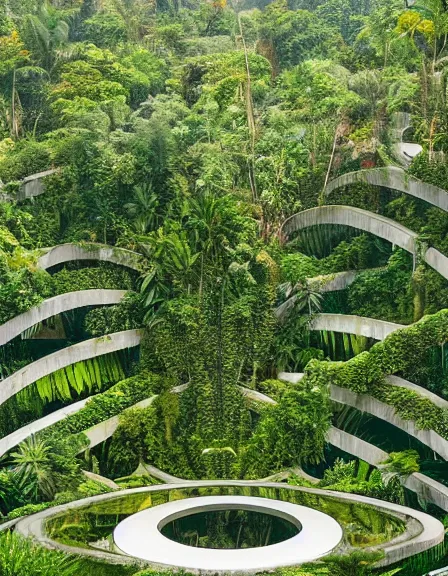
[139, 536]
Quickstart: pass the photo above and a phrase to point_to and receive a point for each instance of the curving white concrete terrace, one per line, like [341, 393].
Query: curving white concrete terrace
[369, 222]
[350, 324]
[383, 411]
[89, 251]
[394, 178]
[437, 260]
[386, 412]
[15, 438]
[402, 383]
[355, 218]
[57, 305]
[426, 488]
[140, 536]
[34, 185]
[332, 282]
[63, 358]
[427, 531]
[404, 152]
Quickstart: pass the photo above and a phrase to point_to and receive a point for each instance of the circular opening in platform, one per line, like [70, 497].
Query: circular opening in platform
[212, 534]
[230, 529]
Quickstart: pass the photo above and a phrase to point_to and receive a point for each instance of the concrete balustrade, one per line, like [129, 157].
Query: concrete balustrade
[332, 282]
[386, 412]
[359, 325]
[396, 179]
[63, 358]
[57, 305]
[369, 222]
[402, 383]
[404, 152]
[15, 438]
[72, 252]
[355, 218]
[34, 185]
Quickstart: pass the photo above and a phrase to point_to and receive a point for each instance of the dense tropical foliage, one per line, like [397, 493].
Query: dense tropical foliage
[188, 132]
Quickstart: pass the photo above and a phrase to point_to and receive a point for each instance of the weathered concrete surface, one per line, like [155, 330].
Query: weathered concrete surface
[34, 185]
[292, 377]
[426, 488]
[437, 261]
[144, 468]
[57, 305]
[349, 324]
[63, 358]
[355, 446]
[402, 383]
[332, 282]
[101, 480]
[71, 252]
[430, 531]
[355, 218]
[396, 179]
[369, 222]
[13, 439]
[386, 412]
[404, 152]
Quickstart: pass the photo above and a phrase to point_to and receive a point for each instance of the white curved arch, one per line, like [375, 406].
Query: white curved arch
[63, 358]
[396, 179]
[71, 252]
[15, 438]
[369, 222]
[57, 305]
[351, 324]
[404, 152]
[355, 218]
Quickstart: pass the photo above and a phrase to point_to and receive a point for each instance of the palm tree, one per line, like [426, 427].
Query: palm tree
[143, 210]
[298, 297]
[45, 34]
[21, 557]
[32, 467]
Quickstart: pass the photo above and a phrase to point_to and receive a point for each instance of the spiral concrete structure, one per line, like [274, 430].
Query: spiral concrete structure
[63, 358]
[101, 252]
[393, 178]
[57, 305]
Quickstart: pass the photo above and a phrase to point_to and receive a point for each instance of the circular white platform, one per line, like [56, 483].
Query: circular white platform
[139, 536]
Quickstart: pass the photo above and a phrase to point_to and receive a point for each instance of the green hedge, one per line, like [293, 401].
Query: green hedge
[110, 403]
[365, 373]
